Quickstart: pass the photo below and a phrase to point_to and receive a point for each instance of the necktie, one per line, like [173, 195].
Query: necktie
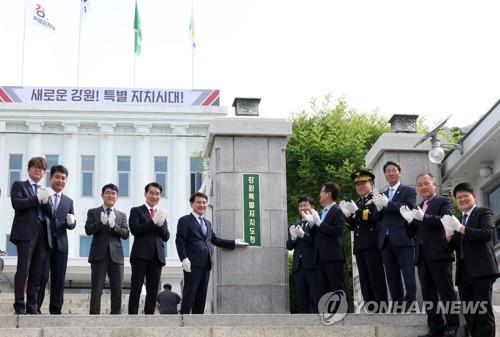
[391, 193]
[108, 211]
[152, 212]
[203, 226]
[56, 202]
[39, 210]
[464, 222]
[426, 204]
[323, 213]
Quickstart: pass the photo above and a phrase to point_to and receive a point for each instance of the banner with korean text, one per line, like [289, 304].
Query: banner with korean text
[89, 95]
[251, 208]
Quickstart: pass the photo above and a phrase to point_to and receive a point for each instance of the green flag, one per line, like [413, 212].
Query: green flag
[138, 31]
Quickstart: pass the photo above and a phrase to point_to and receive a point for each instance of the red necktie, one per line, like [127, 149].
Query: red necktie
[152, 212]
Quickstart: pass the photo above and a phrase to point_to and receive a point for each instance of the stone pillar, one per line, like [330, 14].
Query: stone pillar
[179, 191]
[34, 141]
[70, 158]
[141, 168]
[107, 159]
[252, 279]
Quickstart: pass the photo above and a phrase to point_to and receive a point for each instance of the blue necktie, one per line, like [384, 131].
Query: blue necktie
[464, 222]
[203, 226]
[323, 213]
[391, 193]
[56, 202]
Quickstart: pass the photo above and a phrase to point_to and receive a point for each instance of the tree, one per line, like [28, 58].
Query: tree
[328, 144]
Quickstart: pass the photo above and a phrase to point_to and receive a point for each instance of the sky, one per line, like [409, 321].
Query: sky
[432, 58]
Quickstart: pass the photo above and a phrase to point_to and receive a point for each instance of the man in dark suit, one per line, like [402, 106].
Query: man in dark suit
[108, 226]
[361, 219]
[148, 224]
[432, 255]
[303, 269]
[30, 233]
[60, 219]
[396, 247]
[328, 247]
[477, 268]
[194, 240]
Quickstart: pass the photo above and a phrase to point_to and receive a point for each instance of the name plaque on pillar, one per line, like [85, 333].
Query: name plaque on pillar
[251, 208]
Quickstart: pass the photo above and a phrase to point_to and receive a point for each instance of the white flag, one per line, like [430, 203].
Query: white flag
[39, 16]
[85, 7]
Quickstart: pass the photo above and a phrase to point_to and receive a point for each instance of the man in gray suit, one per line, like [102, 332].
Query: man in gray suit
[107, 225]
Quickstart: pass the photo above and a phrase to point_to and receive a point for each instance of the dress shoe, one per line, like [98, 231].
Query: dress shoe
[31, 312]
[434, 333]
[20, 312]
[450, 332]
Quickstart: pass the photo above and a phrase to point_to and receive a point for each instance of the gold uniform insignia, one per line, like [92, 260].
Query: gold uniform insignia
[366, 212]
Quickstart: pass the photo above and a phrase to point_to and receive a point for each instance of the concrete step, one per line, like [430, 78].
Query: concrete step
[359, 325]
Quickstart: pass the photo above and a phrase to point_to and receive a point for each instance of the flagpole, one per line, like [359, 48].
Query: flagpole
[79, 47]
[24, 42]
[192, 44]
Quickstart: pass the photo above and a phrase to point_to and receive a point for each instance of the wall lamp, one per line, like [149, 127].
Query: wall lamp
[436, 154]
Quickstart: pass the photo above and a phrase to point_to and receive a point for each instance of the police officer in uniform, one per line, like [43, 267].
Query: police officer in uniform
[361, 218]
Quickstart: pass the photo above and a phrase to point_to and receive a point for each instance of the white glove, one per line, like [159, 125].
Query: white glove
[406, 213]
[160, 218]
[299, 232]
[378, 202]
[293, 233]
[112, 219]
[307, 217]
[186, 265]
[452, 221]
[43, 195]
[70, 219]
[351, 206]
[240, 243]
[448, 230]
[344, 209]
[418, 213]
[315, 217]
[104, 218]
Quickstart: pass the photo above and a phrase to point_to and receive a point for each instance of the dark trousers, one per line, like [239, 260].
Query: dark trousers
[99, 269]
[437, 285]
[371, 276]
[397, 261]
[30, 257]
[331, 276]
[54, 265]
[477, 289]
[151, 270]
[194, 292]
[306, 289]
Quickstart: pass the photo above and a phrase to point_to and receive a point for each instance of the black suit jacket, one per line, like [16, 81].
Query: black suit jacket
[477, 245]
[364, 225]
[429, 233]
[104, 237]
[191, 242]
[25, 203]
[148, 238]
[390, 217]
[328, 237]
[58, 224]
[303, 249]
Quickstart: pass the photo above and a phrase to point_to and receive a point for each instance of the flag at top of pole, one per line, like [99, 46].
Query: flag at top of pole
[138, 31]
[191, 30]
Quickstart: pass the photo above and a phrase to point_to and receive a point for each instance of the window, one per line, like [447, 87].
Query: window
[85, 242]
[123, 175]
[195, 169]
[125, 248]
[161, 173]
[52, 159]
[494, 200]
[11, 248]
[88, 163]
[15, 167]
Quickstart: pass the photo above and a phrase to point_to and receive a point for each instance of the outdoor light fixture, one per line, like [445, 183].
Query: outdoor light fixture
[436, 154]
[485, 170]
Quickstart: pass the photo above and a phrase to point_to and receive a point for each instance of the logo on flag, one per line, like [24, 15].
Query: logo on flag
[40, 18]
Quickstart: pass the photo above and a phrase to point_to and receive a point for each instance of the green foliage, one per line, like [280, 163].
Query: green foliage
[328, 144]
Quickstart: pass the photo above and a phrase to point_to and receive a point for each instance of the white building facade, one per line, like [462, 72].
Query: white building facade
[128, 145]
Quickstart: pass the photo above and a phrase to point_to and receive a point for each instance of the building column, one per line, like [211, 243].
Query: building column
[34, 145]
[178, 195]
[4, 166]
[106, 161]
[70, 159]
[141, 172]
